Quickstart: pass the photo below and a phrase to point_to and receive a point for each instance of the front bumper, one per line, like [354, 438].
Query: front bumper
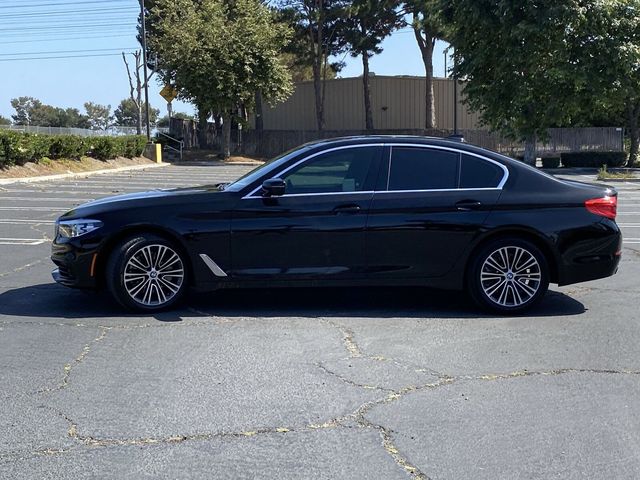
[76, 264]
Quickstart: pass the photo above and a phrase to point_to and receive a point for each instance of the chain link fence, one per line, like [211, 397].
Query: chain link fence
[114, 131]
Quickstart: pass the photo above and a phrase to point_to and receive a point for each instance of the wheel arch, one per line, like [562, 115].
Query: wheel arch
[523, 233]
[107, 248]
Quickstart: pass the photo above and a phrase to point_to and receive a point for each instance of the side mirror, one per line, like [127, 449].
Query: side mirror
[274, 187]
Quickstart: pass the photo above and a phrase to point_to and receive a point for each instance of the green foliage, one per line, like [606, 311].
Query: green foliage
[219, 53]
[126, 115]
[593, 159]
[519, 61]
[98, 116]
[164, 121]
[30, 111]
[550, 162]
[66, 146]
[4, 121]
[18, 148]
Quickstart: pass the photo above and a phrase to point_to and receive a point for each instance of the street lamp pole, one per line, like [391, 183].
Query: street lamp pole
[144, 61]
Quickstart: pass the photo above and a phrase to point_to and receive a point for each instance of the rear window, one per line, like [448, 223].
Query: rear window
[423, 169]
[478, 173]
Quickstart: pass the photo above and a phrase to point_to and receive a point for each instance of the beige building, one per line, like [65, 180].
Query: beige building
[397, 103]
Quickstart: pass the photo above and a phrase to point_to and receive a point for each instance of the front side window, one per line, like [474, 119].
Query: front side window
[344, 170]
[423, 169]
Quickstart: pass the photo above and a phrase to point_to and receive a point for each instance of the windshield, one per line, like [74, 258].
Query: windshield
[264, 169]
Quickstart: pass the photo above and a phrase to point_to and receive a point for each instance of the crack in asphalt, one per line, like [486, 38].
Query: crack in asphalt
[68, 368]
[350, 382]
[348, 338]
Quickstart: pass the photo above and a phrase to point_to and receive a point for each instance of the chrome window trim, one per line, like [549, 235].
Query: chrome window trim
[329, 150]
[391, 145]
[500, 185]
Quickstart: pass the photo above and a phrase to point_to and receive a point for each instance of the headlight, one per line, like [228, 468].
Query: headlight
[77, 228]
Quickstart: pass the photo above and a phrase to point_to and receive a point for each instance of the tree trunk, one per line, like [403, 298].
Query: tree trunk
[426, 46]
[226, 135]
[368, 116]
[139, 119]
[259, 119]
[317, 87]
[530, 150]
[203, 115]
[632, 114]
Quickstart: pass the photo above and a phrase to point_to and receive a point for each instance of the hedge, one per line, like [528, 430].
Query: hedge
[593, 159]
[550, 162]
[18, 148]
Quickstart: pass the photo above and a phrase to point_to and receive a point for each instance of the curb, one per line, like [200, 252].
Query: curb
[61, 176]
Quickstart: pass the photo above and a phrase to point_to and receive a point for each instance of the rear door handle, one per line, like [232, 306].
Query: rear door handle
[346, 209]
[466, 205]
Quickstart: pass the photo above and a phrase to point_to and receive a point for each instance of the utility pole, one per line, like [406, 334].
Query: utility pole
[144, 61]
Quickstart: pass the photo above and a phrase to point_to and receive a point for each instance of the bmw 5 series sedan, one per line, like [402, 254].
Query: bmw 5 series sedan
[356, 211]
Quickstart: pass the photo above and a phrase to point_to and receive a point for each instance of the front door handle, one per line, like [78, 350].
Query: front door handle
[466, 205]
[346, 209]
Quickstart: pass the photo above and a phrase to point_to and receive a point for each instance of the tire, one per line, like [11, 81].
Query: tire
[508, 275]
[146, 273]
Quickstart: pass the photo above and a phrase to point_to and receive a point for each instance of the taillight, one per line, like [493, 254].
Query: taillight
[604, 206]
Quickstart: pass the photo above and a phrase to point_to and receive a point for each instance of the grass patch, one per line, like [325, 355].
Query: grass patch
[604, 174]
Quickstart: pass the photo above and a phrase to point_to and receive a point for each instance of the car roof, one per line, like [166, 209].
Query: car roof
[457, 142]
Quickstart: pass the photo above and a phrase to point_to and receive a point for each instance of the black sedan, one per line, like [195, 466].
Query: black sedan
[345, 212]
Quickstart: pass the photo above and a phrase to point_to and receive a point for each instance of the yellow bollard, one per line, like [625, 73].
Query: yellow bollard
[158, 153]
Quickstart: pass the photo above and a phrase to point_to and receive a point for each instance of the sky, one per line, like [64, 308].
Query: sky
[90, 36]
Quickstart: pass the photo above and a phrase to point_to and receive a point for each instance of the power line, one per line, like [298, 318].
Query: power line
[68, 12]
[68, 51]
[64, 39]
[75, 26]
[34, 5]
[60, 57]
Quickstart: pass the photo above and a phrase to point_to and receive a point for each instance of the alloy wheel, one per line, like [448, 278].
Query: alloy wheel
[510, 276]
[153, 275]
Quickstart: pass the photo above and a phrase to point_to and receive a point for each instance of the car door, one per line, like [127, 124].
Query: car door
[315, 230]
[427, 209]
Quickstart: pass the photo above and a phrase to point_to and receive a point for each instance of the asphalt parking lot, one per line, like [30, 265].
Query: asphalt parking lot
[349, 384]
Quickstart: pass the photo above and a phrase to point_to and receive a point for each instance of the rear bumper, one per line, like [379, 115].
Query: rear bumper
[591, 261]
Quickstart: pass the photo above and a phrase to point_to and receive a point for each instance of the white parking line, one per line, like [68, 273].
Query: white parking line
[22, 241]
[45, 199]
[39, 209]
[27, 221]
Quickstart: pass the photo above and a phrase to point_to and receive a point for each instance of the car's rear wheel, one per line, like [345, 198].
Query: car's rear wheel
[146, 273]
[508, 275]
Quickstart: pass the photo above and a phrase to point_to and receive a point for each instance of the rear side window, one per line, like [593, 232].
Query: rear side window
[423, 169]
[478, 173]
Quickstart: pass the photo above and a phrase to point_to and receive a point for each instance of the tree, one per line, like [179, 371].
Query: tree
[428, 27]
[163, 122]
[23, 107]
[516, 61]
[218, 54]
[98, 116]
[608, 54]
[4, 121]
[367, 24]
[317, 25]
[128, 113]
[30, 111]
[136, 85]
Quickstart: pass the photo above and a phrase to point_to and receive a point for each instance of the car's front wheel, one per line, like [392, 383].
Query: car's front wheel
[508, 275]
[146, 273]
